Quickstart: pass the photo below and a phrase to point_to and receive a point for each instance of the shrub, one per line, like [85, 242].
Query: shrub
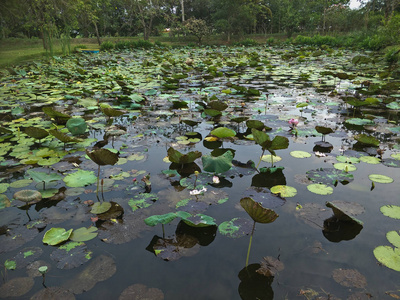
[106, 46]
[270, 41]
[121, 45]
[247, 43]
[143, 44]
[77, 47]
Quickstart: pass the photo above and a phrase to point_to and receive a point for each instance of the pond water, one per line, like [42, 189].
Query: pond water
[149, 108]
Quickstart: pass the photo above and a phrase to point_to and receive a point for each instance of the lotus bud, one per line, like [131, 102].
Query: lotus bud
[293, 122]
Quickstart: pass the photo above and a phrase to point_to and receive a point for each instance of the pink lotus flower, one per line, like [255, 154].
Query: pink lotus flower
[293, 122]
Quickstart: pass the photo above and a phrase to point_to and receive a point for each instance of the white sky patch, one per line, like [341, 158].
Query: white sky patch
[354, 4]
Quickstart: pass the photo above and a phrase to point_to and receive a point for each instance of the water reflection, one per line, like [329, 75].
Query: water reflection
[336, 230]
[254, 285]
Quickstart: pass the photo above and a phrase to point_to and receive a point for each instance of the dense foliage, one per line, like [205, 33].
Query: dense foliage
[376, 21]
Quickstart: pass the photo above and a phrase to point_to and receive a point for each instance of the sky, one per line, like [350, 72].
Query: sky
[354, 4]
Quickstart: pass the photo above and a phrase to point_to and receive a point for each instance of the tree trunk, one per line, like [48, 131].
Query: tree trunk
[183, 11]
[97, 33]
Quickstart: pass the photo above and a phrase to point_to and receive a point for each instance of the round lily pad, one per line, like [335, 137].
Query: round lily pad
[223, 132]
[140, 291]
[71, 255]
[330, 176]
[300, 154]
[345, 167]
[16, 287]
[380, 178]
[349, 278]
[53, 292]
[394, 238]
[271, 158]
[388, 256]
[348, 159]
[320, 189]
[160, 219]
[284, 191]
[80, 178]
[235, 228]
[370, 160]
[392, 211]
[83, 234]
[100, 207]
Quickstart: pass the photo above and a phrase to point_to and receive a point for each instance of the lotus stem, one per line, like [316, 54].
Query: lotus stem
[98, 179]
[163, 231]
[260, 159]
[251, 238]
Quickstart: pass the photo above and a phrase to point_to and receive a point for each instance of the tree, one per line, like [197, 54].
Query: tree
[198, 28]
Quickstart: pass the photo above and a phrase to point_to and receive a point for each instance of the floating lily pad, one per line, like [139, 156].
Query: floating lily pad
[56, 236]
[390, 162]
[27, 256]
[330, 176]
[142, 201]
[269, 158]
[160, 219]
[236, 228]
[100, 207]
[198, 220]
[270, 266]
[300, 154]
[140, 291]
[394, 238]
[345, 167]
[320, 189]
[54, 292]
[257, 212]
[80, 178]
[16, 287]
[83, 234]
[347, 159]
[100, 269]
[349, 278]
[388, 256]
[71, 255]
[359, 122]
[380, 178]
[16, 237]
[370, 160]
[392, 211]
[20, 183]
[43, 176]
[284, 191]
[4, 201]
[313, 214]
[367, 140]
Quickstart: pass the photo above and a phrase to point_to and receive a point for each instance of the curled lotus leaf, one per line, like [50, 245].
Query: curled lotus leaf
[177, 157]
[217, 164]
[323, 130]
[64, 137]
[56, 236]
[257, 212]
[341, 213]
[103, 156]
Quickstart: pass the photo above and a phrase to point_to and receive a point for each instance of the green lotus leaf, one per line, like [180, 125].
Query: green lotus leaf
[160, 219]
[100, 207]
[212, 112]
[269, 158]
[36, 132]
[257, 212]
[20, 183]
[393, 105]
[43, 176]
[330, 176]
[142, 201]
[76, 126]
[4, 187]
[388, 257]
[279, 142]
[367, 139]
[10, 264]
[4, 201]
[392, 211]
[223, 132]
[109, 111]
[219, 164]
[370, 160]
[261, 138]
[359, 122]
[300, 154]
[176, 157]
[395, 155]
[380, 178]
[347, 159]
[56, 236]
[345, 167]
[63, 137]
[71, 255]
[323, 130]
[84, 234]
[103, 156]
[240, 119]
[394, 238]
[80, 178]
[255, 124]
[217, 105]
[284, 191]
[320, 189]
[198, 220]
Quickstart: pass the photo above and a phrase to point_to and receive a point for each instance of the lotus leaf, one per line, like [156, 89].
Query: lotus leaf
[63, 137]
[27, 256]
[388, 256]
[212, 112]
[392, 211]
[217, 105]
[380, 178]
[394, 238]
[20, 183]
[142, 201]
[300, 154]
[110, 111]
[236, 228]
[103, 156]
[349, 278]
[284, 190]
[347, 159]
[198, 220]
[345, 167]
[390, 162]
[218, 164]
[56, 236]
[176, 157]
[320, 189]
[36, 132]
[174, 249]
[269, 158]
[341, 212]
[16, 287]
[76, 126]
[395, 155]
[71, 255]
[80, 178]
[257, 124]
[160, 219]
[330, 176]
[53, 292]
[370, 160]
[83, 234]
[10, 264]
[367, 139]
[4, 201]
[223, 132]
[323, 130]
[43, 176]
[257, 212]
[358, 121]
[100, 207]
[140, 291]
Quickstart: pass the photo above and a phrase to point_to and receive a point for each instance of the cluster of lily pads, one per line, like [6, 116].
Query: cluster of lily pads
[63, 120]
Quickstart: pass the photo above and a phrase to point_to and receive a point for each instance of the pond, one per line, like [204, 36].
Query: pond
[201, 173]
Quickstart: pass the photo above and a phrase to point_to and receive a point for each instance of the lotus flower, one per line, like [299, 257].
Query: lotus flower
[293, 122]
